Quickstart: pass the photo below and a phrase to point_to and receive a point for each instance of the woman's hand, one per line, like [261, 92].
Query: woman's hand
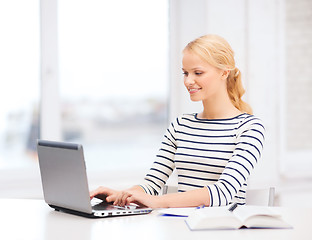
[121, 198]
[106, 194]
[143, 199]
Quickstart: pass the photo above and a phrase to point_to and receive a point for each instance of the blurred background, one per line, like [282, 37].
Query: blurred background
[107, 74]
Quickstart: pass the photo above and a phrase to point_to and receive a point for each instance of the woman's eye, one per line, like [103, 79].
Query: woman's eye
[185, 73]
[198, 73]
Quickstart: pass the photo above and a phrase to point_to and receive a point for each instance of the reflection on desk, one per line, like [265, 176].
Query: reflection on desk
[33, 219]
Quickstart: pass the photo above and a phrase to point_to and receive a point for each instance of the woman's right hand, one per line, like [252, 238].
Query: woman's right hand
[105, 194]
[119, 198]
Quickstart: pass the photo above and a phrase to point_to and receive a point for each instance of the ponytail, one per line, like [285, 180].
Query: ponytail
[236, 90]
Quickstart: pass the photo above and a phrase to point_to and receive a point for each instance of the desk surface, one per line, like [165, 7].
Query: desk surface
[33, 219]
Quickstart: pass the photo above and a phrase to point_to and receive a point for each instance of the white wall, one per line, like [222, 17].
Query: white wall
[296, 97]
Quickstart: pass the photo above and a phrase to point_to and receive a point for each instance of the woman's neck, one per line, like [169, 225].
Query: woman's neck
[219, 109]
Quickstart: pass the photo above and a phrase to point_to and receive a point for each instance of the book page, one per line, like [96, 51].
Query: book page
[266, 221]
[213, 218]
[245, 212]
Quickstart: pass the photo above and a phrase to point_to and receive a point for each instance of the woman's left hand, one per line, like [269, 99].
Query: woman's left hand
[142, 198]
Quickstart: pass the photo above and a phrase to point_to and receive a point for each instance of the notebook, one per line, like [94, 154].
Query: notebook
[65, 184]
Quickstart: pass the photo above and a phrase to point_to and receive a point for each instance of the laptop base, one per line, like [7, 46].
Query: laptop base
[99, 214]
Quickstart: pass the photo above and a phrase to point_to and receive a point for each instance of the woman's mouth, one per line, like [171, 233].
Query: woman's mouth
[193, 90]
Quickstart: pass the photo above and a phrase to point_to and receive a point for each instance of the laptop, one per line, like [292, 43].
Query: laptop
[65, 184]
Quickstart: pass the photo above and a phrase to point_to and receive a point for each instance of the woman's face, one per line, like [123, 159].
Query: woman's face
[202, 80]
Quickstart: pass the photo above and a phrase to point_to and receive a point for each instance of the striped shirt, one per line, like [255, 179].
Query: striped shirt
[219, 154]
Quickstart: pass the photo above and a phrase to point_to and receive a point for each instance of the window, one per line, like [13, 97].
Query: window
[19, 61]
[113, 79]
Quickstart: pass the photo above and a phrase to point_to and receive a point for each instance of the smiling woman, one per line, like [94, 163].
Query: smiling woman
[215, 151]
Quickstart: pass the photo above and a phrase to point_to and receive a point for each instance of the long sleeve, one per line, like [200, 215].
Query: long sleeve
[245, 156]
[219, 154]
[163, 165]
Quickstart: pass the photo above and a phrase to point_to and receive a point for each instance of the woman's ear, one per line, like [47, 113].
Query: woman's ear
[225, 74]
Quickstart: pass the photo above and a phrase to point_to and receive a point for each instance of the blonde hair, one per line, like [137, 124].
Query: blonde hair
[217, 52]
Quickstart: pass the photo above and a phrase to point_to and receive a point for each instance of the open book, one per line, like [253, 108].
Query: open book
[240, 217]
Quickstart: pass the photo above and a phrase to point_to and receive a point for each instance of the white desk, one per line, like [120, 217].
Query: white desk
[33, 219]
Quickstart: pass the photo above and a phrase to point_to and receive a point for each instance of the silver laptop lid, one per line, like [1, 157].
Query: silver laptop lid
[63, 175]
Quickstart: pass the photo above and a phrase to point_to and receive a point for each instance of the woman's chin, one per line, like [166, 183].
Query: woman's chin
[195, 99]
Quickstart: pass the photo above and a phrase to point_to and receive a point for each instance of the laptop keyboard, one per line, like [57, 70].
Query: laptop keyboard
[98, 205]
[109, 206]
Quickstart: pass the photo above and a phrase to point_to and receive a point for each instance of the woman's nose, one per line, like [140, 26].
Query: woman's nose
[188, 81]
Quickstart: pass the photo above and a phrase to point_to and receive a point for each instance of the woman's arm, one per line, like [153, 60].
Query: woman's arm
[245, 156]
[239, 167]
[136, 194]
[164, 164]
[193, 198]
[154, 180]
